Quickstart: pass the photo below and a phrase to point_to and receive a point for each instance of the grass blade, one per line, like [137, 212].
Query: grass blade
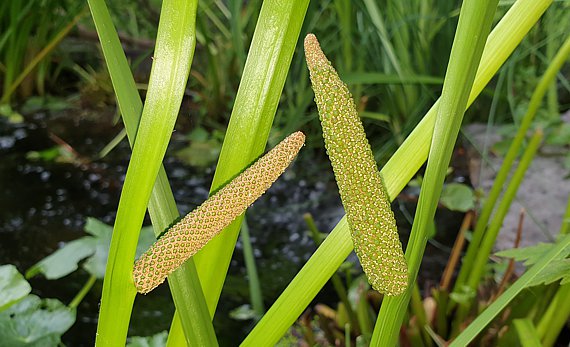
[184, 283]
[173, 56]
[382, 78]
[52, 44]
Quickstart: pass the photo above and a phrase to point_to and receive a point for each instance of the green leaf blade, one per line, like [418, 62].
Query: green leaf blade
[169, 73]
[13, 286]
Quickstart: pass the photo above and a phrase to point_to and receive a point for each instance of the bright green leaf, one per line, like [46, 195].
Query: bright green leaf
[95, 265]
[94, 248]
[464, 296]
[97, 228]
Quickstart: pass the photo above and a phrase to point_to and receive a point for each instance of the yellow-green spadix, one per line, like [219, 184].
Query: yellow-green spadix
[192, 232]
[362, 190]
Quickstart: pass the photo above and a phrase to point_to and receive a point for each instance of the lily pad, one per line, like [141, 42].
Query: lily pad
[203, 150]
[96, 264]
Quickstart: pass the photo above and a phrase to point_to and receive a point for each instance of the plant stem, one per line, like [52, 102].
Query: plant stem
[486, 245]
[84, 290]
[255, 295]
[555, 317]
[526, 331]
[184, 283]
[417, 308]
[488, 241]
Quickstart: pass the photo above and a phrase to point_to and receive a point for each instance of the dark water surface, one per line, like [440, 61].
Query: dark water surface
[44, 204]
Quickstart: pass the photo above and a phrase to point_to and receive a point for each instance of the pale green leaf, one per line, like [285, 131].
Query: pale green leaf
[458, 197]
[35, 322]
[243, 312]
[531, 255]
[96, 264]
[157, 340]
[65, 260]
[13, 286]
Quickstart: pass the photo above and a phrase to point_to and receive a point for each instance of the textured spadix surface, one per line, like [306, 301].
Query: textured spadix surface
[365, 200]
[193, 231]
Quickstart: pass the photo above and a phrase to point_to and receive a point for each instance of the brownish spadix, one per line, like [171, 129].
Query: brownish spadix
[364, 196]
[192, 232]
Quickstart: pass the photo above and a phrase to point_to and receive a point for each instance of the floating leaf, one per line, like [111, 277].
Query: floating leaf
[195, 230]
[203, 150]
[366, 202]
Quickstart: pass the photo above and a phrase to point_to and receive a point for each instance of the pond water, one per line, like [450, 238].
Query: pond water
[45, 204]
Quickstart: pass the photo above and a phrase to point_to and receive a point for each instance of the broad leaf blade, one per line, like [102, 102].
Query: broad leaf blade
[13, 286]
